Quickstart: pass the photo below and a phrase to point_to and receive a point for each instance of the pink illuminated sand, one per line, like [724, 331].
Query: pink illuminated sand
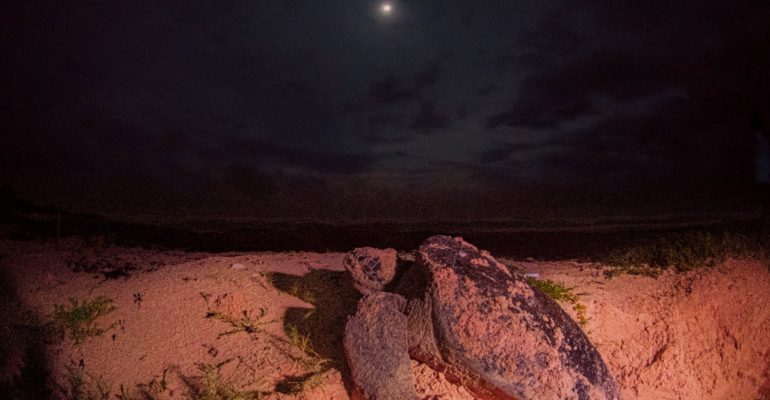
[699, 335]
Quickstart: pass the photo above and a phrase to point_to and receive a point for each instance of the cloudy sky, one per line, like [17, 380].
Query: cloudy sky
[441, 109]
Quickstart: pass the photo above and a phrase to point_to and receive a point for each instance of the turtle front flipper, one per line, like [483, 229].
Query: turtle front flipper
[377, 349]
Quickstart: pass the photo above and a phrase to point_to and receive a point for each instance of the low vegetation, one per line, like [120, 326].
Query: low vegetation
[683, 251]
[145, 391]
[300, 341]
[315, 365]
[211, 386]
[559, 292]
[245, 322]
[82, 386]
[79, 320]
[555, 290]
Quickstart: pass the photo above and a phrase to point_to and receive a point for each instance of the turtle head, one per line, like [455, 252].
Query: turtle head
[371, 269]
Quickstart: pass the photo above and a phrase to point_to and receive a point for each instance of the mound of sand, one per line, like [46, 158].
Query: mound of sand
[273, 323]
[699, 335]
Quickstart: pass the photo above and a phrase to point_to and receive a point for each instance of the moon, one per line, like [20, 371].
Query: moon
[386, 8]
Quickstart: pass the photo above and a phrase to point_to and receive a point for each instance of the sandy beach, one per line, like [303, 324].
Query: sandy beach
[271, 324]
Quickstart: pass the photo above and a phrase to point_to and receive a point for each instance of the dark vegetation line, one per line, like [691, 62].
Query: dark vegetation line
[626, 247]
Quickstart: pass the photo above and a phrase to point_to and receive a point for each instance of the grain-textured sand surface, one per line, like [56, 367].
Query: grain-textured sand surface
[704, 334]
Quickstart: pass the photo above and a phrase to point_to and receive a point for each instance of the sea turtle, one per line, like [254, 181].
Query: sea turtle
[461, 312]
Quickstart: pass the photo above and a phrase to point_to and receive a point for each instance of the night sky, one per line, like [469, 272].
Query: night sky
[309, 109]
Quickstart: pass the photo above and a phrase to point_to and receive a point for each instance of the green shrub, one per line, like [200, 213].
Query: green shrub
[559, 292]
[79, 320]
[555, 290]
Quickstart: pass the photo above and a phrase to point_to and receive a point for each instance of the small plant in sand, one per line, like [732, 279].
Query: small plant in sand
[145, 391]
[312, 362]
[684, 251]
[79, 319]
[305, 295]
[243, 323]
[83, 386]
[212, 386]
[559, 292]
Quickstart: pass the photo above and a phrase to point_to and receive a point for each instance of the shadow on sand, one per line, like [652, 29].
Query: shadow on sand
[21, 333]
[334, 297]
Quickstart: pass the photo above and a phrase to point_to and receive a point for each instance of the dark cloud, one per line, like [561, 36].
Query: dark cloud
[673, 141]
[428, 118]
[503, 152]
[570, 89]
[606, 52]
[488, 89]
[604, 167]
[660, 93]
[557, 35]
[249, 180]
[428, 76]
[391, 89]
[539, 112]
[384, 117]
[163, 90]
[272, 154]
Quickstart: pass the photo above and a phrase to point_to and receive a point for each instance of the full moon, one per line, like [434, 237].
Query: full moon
[386, 8]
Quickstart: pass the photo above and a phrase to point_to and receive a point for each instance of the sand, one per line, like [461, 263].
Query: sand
[704, 334]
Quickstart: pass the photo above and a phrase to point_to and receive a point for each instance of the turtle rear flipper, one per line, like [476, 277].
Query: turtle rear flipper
[377, 349]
